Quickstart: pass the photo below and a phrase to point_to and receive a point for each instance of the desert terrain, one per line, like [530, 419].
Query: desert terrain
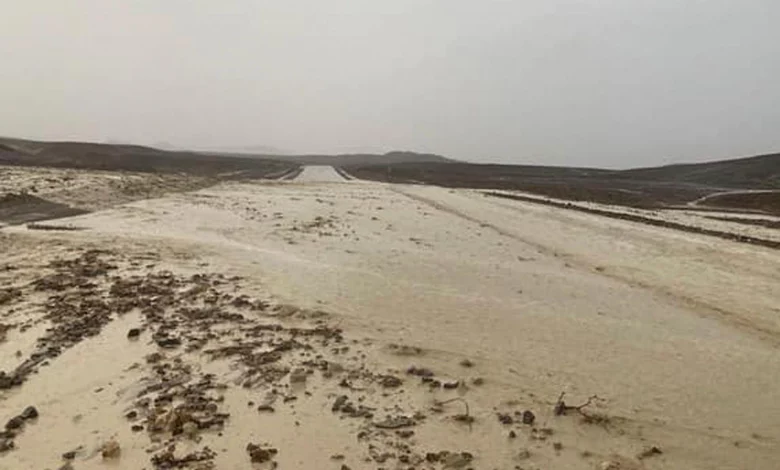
[311, 318]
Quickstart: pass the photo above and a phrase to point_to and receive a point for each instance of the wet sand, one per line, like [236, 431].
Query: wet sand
[441, 315]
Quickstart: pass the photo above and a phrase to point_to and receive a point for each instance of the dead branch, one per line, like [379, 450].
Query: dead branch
[561, 407]
[463, 418]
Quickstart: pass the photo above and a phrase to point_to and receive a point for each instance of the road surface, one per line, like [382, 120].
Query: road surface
[677, 334]
[319, 174]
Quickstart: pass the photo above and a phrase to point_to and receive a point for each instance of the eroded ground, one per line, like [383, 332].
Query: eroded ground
[322, 324]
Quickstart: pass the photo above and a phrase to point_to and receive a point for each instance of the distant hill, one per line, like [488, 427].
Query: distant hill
[760, 172]
[100, 156]
[389, 158]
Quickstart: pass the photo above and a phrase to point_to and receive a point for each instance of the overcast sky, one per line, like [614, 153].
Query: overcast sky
[614, 83]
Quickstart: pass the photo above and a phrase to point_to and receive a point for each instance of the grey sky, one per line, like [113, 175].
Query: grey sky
[590, 82]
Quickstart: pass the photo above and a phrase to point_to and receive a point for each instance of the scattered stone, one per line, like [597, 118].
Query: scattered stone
[505, 418]
[420, 371]
[390, 381]
[345, 467]
[259, 454]
[132, 415]
[512, 434]
[136, 428]
[167, 459]
[8, 381]
[266, 408]
[29, 413]
[298, 376]
[478, 381]
[528, 417]
[154, 358]
[168, 342]
[466, 363]
[70, 455]
[450, 459]
[6, 445]
[649, 452]
[339, 403]
[464, 418]
[337, 457]
[190, 429]
[557, 446]
[451, 385]
[133, 333]
[14, 423]
[395, 423]
[110, 450]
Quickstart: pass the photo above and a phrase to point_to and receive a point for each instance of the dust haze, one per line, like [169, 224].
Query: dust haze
[587, 83]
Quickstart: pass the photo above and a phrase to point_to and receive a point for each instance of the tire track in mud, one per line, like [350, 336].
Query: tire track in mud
[704, 309]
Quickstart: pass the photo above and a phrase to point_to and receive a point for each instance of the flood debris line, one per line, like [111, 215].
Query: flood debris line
[54, 227]
[75, 307]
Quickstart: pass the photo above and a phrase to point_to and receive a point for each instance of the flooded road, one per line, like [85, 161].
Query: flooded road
[507, 304]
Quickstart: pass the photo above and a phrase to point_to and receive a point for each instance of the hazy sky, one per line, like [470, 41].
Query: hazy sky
[579, 82]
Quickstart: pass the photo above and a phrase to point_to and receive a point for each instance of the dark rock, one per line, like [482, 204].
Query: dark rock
[266, 408]
[9, 381]
[110, 450]
[339, 403]
[6, 445]
[390, 381]
[451, 385]
[420, 371]
[132, 414]
[133, 333]
[649, 452]
[466, 363]
[15, 423]
[528, 417]
[505, 418]
[69, 455]
[512, 434]
[258, 454]
[168, 342]
[136, 428]
[29, 413]
[395, 423]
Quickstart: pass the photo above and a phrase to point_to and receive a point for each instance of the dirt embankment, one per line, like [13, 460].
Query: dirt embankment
[767, 202]
[645, 220]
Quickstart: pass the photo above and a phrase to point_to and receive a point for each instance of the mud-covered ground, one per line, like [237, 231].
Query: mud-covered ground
[29, 194]
[320, 323]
